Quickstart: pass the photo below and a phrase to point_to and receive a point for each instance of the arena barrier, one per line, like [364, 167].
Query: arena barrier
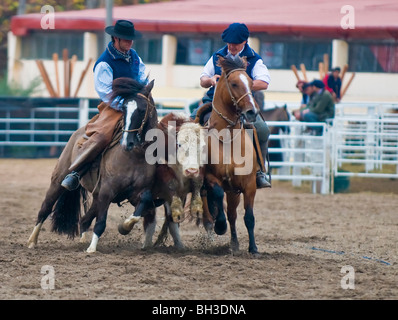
[305, 155]
[361, 141]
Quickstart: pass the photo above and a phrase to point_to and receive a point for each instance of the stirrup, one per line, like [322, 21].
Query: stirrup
[71, 181]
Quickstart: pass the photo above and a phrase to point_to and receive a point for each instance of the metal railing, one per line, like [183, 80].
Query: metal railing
[366, 141]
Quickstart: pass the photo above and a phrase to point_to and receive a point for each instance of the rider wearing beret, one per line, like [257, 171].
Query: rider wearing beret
[235, 37]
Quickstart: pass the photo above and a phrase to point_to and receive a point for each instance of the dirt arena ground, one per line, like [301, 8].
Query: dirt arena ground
[305, 240]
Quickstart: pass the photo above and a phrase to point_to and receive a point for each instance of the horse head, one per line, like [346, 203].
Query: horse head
[139, 112]
[238, 94]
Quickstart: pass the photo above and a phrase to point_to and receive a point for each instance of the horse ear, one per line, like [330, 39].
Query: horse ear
[220, 60]
[149, 87]
[244, 59]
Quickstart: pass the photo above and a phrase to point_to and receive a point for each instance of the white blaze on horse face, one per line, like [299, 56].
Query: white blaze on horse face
[131, 107]
[245, 81]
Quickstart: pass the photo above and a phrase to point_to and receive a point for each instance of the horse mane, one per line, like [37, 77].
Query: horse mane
[126, 88]
[228, 64]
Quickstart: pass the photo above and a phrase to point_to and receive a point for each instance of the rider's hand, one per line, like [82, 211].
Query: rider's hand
[214, 80]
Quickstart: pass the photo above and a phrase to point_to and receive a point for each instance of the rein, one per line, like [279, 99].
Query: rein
[147, 113]
[233, 99]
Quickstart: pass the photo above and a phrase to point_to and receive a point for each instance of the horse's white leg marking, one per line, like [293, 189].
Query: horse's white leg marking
[246, 83]
[131, 106]
[93, 245]
[150, 230]
[35, 235]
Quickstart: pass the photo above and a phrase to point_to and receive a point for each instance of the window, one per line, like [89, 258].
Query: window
[149, 48]
[281, 55]
[42, 45]
[196, 51]
[373, 57]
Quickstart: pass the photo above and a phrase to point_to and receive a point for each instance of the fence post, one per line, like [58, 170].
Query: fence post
[297, 157]
[83, 112]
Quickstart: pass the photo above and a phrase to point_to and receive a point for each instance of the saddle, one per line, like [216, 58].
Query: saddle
[203, 114]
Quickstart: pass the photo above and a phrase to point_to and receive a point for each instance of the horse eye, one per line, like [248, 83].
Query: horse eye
[234, 85]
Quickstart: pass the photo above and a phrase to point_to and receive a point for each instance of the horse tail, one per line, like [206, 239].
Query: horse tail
[66, 214]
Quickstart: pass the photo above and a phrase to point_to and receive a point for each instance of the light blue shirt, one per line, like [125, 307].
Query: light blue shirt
[103, 78]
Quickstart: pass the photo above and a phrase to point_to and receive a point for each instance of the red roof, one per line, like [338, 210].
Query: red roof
[373, 18]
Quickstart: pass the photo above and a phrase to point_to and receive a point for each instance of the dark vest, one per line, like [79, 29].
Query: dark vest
[249, 53]
[120, 66]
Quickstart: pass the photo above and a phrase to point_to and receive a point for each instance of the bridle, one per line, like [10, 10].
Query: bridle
[148, 113]
[233, 99]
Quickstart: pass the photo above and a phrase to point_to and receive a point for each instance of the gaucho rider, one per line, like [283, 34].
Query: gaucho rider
[236, 36]
[118, 60]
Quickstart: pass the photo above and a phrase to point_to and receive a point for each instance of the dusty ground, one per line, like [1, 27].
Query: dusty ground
[304, 240]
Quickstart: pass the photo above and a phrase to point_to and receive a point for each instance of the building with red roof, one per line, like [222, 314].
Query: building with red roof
[181, 35]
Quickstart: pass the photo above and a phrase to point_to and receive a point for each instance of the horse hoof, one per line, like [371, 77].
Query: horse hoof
[179, 246]
[122, 230]
[31, 244]
[254, 253]
[220, 227]
[90, 250]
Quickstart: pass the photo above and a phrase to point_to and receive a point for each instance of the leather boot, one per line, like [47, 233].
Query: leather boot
[262, 179]
[71, 181]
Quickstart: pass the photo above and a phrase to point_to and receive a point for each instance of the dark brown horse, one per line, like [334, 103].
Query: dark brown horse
[122, 171]
[179, 171]
[228, 143]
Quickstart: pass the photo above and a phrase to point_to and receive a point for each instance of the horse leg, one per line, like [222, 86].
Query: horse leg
[207, 218]
[215, 200]
[99, 209]
[233, 200]
[149, 227]
[145, 202]
[249, 218]
[52, 195]
[85, 223]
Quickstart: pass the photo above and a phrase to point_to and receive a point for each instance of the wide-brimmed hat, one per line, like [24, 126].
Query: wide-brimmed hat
[235, 33]
[123, 29]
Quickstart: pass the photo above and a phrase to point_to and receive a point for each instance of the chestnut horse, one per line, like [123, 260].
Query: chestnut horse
[233, 103]
[120, 173]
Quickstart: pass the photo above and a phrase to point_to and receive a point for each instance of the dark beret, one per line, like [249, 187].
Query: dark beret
[318, 83]
[235, 33]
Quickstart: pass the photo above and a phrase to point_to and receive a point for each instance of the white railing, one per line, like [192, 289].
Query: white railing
[366, 141]
[305, 156]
